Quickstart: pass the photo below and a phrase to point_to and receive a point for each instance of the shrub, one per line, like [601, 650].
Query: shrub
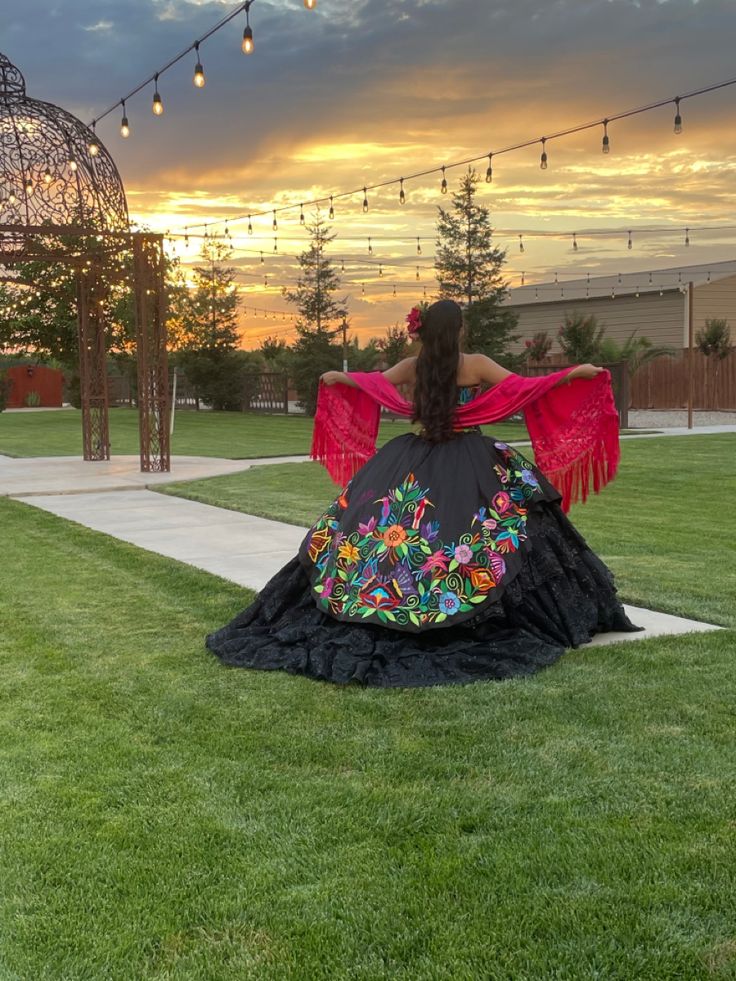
[580, 337]
[32, 399]
[5, 386]
[538, 347]
[223, 379]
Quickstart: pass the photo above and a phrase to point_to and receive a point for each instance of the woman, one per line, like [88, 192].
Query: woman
[447, 558]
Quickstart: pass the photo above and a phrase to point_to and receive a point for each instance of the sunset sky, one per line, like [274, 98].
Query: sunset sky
[358, 92]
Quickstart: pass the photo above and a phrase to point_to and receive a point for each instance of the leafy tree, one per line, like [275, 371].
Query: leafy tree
[580, 337]
[210, 320]
[538, 347]
[715, 343]
[393, 346]
[320, 315]
[469, 270]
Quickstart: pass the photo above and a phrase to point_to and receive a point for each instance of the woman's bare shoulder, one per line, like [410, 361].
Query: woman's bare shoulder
[484, 369]
[404, 371]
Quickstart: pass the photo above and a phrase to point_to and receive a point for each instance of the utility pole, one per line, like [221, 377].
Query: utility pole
[344, 329]
[690, 365]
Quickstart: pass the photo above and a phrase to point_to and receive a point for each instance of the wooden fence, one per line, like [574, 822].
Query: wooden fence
[663, 383]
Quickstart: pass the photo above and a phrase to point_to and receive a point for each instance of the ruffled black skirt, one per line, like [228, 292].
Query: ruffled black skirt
[560, 595]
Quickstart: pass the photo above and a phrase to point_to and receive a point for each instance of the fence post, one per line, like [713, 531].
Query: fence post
[286, 395]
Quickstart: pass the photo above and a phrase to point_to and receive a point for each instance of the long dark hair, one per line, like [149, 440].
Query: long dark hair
[435, 390]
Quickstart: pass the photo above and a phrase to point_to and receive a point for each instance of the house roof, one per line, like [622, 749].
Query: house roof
[621, 284]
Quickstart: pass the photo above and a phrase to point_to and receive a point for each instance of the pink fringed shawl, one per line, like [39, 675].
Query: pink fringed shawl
[573, 427]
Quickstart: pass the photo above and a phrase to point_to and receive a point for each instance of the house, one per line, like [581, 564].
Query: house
[652, 303]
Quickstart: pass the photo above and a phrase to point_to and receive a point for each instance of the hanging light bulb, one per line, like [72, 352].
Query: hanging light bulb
[310, 4]
[342, 265]
[94, 146]
[362, 289]
[630, 244]
[613, 292]
[301, 214]
[606, 144]
[489, 172]
[687, 236]
[380, 270]
[186, 238]
[521, 244]
[72, 164]
[247, 45]
[158, 105]
[402, 196]
[47, 178]
[523, 281]
[275, 225]
[419, 247]
[574, 242]
[394, 289]
[678, 117]
[370, 246]
[124, 126]
[29, 187]
[262, 259]
[275, 245]
[250, 226]
[543, 158]
[199, 79]
[417, 272]
[365, 200]
[443, 185]
[332, 210]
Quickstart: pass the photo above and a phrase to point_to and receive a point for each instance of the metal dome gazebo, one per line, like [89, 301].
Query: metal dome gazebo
[62, 200]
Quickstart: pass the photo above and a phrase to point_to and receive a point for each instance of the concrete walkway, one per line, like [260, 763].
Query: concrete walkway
[113, 498]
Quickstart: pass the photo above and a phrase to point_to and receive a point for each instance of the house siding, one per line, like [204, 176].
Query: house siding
[660, 318]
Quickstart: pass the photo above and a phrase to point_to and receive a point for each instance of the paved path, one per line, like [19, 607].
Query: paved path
[70, 475]
[236, 546]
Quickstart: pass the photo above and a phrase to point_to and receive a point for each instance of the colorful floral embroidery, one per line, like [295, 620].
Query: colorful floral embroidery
[395, 568]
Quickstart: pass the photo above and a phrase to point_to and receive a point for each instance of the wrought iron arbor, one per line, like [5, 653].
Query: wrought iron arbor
[62, 201]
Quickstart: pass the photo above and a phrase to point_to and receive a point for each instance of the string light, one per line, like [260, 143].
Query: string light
[629, 244]
[521, 243]
[262, 259]
[678, 117]
[606, 145]
[47, 178]
[574, 242]
[250, 226]
[543, 158]
[370, 246]
[199, 79]
[394, 289]
[417, 272]
[332, 210]
[94, 147]
[124, 125]
[158, 105]
[301, 214]
[419, 247]
[365, 200]
[275, 225]
[522, 278]
[247, 45]
[275, 245]
[310, 4]
[489, 171]
[380, 271]
[443, 185]
[402, 195]
[687, 236]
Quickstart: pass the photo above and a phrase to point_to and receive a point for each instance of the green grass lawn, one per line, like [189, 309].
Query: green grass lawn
[166, 818]
[232, 435]
[660, 525]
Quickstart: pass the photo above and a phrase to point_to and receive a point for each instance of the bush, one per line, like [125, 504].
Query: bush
[538, 347]
[312, 354]
[223, 379]
[580, 338]
[32, 399]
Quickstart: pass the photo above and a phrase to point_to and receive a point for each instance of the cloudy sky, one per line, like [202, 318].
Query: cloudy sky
[358, 92]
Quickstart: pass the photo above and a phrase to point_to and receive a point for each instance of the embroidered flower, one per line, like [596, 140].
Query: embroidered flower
[349, 552]
[395, 535]
[501, 446]
[327, 587]
[498, 565]
[528, 477]
[482, 580]
[449, 603]
[502, 502]
[380, 596]
[367, 528]
[438, 560]
[463, 554]
[318, 542]
[490, 524]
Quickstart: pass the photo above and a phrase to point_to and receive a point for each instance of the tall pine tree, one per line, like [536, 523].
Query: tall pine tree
[320, 315]
[469, 270]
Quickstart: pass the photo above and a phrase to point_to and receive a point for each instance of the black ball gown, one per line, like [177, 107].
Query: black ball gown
[437, 564]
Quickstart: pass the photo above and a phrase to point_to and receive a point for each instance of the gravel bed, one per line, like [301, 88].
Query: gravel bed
[662, 418]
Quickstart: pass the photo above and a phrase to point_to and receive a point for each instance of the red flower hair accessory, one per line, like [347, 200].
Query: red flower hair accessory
[414, 321]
